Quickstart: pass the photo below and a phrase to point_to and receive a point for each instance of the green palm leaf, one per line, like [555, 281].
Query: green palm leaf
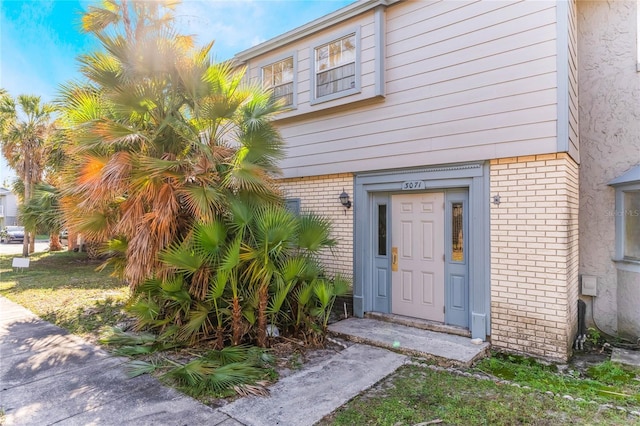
[137, 368]
[232, 256]
[229, 354]
[193, 373]
[202, 201]
[229, 375]
[182, 258]
[210, 237]
[199, 322]
[294, 268]
[314, 233]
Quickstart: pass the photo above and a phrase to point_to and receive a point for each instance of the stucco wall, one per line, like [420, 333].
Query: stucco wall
[609, 93]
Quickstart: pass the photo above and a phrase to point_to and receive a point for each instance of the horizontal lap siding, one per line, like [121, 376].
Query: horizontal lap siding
[464, 81]
[574, 146]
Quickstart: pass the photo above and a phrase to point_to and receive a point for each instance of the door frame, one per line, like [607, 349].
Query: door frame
[373, 188]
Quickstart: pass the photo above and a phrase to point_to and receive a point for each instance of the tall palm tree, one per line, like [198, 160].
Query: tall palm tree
[162, 137]
[42, 211]
[26, 125]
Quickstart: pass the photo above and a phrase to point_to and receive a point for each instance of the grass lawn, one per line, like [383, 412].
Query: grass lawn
[65, 289]
[418, 395]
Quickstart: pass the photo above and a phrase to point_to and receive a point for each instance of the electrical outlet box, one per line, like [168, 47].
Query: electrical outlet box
[589, 285]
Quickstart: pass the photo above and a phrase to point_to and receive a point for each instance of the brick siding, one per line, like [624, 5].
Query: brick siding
[319, 194]
[534, 255]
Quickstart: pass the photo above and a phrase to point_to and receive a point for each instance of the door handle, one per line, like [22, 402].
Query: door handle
[394, 259]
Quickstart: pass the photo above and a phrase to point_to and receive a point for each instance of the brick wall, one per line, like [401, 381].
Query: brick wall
[534, 255]
[319, 194]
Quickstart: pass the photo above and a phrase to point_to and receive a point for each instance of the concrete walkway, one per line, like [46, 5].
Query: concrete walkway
[48, 376]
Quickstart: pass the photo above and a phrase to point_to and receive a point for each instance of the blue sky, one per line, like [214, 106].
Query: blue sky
[40, 39]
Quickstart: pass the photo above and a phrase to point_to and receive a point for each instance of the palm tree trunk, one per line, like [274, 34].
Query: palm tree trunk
[54, 242]
[72, 240]
[263, 295]
[236, 322]
[32, 242]
[27, 197]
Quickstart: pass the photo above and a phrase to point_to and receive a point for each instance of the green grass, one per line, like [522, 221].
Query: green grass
[606, 383]
[65, 289]
[415, 395]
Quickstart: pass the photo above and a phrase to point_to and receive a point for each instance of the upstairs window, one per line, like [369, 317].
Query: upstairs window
[279, 77]
[336, 68]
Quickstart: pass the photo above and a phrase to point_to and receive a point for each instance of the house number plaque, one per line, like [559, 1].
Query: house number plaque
[412, 185]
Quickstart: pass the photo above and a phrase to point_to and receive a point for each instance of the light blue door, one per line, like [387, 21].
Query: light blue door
[381, 252]
[457, 258]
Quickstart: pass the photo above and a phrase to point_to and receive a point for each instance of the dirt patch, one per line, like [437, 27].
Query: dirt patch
[292, 355]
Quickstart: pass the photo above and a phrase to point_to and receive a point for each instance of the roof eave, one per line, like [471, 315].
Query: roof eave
[312, 27]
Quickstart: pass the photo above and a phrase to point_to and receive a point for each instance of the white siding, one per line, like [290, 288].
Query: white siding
[465, 81]
[574, 143]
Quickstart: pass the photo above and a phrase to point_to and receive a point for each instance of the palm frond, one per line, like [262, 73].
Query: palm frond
[198, 324]
[193, 374]
[182, 258]
[202, 201]
[314, 232]
[229, 375]
[229, 354]
[231, 257]
[116, 337]
[279, 295]
[209, 238]
[137, 368]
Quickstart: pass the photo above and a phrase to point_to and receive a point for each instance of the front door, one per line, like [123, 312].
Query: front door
[417, 255]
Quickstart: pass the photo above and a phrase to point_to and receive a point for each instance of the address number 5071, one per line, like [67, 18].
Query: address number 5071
[412, 185]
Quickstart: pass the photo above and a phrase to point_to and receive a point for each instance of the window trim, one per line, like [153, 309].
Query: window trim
[358, 62]
[620, 221]
[293, 205]
[279, 58]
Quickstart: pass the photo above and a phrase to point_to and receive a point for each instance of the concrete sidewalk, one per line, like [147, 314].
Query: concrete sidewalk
[48, 376]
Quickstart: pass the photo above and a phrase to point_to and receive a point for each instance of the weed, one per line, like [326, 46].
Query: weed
[296, 361]
[605, 383]
[611, 373]
[415, 394]
[594, 336]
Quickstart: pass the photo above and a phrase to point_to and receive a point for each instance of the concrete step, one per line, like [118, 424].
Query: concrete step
[446, 349]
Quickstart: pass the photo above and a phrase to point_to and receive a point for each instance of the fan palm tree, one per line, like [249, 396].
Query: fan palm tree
[26, 125]
[42, 212]
[231, 277]
[162, 137]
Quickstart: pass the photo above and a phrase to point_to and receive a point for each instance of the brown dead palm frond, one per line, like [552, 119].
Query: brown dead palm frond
[258, 389]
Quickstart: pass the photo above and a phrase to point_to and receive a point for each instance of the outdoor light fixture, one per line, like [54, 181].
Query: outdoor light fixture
[344, 200]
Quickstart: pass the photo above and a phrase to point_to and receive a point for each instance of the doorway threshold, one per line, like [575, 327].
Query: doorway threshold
[419, 323]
